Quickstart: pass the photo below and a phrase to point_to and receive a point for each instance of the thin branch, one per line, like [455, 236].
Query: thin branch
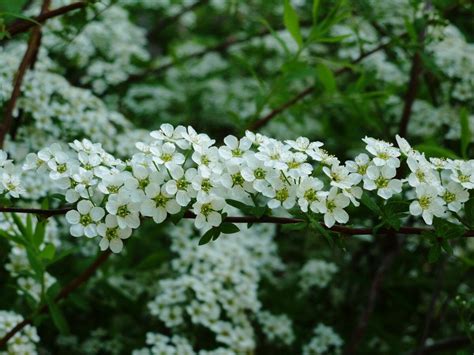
[21, 25]
[27, 62]
[310, 89]
[65, 291]
[445, 345]
[360, 329]
[172, 19]
[251, 219]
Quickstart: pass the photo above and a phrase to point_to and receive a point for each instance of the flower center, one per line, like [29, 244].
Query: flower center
[143, 183]
[259, 173]
[381, 182]
[182, 184]
[85, 220]
[206, 185]
[425, 202]
[160, 200]
[237, 179]
[123, 211]
[88, 166]
[383, 155]
[62, 168]
[310, 195]
[293, 164]
[206, 208]
[112, 233]
[449, 197]
[166, 157]
[113, 189]
[420, 175]
[362, 169]
[237, 153]
[463, 178]
[331, 205]
[205, 160]
[282, 194]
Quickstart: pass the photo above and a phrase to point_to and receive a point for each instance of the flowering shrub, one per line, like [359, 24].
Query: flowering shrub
[239, 177]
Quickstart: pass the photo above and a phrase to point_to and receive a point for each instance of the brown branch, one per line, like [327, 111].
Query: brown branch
[65, 291]
[172, 19]
[27, 62]
[361, 327]
[21, 25]
[251, 219]
[445, 345]
[310, 89]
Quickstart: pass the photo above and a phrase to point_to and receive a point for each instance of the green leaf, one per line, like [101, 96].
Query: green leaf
[209, 235]
[229, 228]
[294, 226]
[434, 253]
[315, 11]
[466, 134]
[369, 202]
[21, 227]
[39, 233]
[326, 76]
[48, 252]
[290, 18]
[58, 318]
[447, 230]
[432, 150]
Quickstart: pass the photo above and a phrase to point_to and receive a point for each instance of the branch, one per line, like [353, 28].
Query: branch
[309, 90]
[21, 26]
[28, 61]
[169, 20]
[65, 291]
[445, 344]
[363, 322]
[251, 219]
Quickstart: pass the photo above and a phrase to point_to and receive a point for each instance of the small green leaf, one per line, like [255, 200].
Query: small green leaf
[208, 236]
[48, 252]
[39, 233]
[58, 318]
[434, 253]
[229, 228]
[369, 202]
[315, 11]
[326, 76]
[432, 150]
[290, 18]
[466, 134]
[294, 226]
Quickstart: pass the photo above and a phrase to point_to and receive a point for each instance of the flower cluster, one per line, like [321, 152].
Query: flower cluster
[216, 288]
[10, 182]
[316, 273]
[324, 341]
[182, 170]
[23, 342]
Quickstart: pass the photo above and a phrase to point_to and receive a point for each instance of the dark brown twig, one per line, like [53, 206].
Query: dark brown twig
[21, 25]
[363, 322]
[27, 62]
[250, 219]
[65, 291]
[310, 89]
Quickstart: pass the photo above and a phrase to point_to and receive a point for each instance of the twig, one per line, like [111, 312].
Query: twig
[65, 291]
[309, 90]
[172, 19]
[445, 344]
[363, 321]
[21, 25]
[28, 61]
[429, 313]
[250, 219]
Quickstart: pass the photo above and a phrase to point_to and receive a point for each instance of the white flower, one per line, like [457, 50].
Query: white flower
[258, 174]
[359, 165]
[333, 207]
[271, 154]
[428, 204]
[340, 176]
[122, 206]
[297, 166]
[112, 234]
[234, 150]
[12, 185]
[464, 174]
[422, 172]
[310, 195]
[197, 139]
[303, 144]
[167, 155]
[382, 179]
[84, 220]
[207, 212]
[207, 160]
[454, 195]
[281, 195]
[168, 133]
[234, 182]
[181, 185]
[384, 153]
[323, 156]
[158, 203]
